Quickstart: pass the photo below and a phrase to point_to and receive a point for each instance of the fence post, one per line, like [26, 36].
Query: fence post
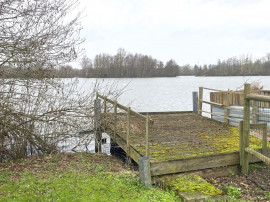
[144, 162]
[264, 144]
[144, 171]
[254, 112]
[195, 102]
[200, 100]
[147, 136]
[246, 128]
[226, 108]
[98, 133]
[105, 114]
[128, 133]
[241, 144]
[115, 119]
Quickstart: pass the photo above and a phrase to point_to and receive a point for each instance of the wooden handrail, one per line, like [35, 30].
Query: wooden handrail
[132, 112]
[148, 122]
[258, 155]
[258, 97]
[227, 91]
[212, 103]
[212, 89]
[258, 125]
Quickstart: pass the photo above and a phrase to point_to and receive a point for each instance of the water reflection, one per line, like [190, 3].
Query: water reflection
[75, 144]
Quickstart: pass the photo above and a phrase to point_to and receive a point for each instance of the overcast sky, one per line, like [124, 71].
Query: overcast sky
[188, 31]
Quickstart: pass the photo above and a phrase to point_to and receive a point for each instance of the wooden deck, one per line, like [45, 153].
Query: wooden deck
[180, 141]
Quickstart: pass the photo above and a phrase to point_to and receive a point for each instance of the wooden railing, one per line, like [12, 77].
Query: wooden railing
[249, 121]
[225, 100]
[225, 96]
[244, 131]
[236, 98]
[130, 112]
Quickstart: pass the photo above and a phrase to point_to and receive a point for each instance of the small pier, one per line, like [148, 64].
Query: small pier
[180, 142]
[175, 142]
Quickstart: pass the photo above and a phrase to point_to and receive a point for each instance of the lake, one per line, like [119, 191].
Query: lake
[171, 93]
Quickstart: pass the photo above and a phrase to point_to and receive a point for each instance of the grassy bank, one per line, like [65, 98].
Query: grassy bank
[74, 177]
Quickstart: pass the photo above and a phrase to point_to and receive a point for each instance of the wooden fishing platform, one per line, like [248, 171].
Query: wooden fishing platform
[174, 142]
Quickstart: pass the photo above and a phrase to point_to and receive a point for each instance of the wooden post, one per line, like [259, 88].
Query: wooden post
[147, 125]
[213, 98]
[246, 129]
[195, 102]
[144, 171]
[211, 111]
[200, 100]
[98, 133]
[264, 140]
[115, 119]
[226, 108]
[105, 105]
[105, 115]
[254, 112]
[128, 133]
[241, 145]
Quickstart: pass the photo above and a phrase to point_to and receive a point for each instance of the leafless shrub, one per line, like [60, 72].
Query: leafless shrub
[36, 115]
[256, 86]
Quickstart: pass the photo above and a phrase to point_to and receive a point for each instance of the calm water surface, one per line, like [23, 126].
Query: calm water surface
[172, 94]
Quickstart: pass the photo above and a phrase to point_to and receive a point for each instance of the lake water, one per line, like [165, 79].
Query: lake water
[171, 94]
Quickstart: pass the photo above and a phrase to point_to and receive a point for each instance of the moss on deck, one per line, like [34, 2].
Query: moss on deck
[183, 135]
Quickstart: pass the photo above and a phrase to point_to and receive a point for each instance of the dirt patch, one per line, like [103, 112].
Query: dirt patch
[252, 187]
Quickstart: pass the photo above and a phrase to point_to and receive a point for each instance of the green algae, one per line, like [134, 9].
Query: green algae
[192, 184]
[204, 144]
[182, 136]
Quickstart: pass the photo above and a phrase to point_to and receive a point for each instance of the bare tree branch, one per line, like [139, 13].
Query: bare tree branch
[38, 34]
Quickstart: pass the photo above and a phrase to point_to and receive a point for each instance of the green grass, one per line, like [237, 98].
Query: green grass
[74, 178]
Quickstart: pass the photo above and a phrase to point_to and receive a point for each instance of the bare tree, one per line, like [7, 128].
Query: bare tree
[37, 33]
[87, 66]
[36, 114]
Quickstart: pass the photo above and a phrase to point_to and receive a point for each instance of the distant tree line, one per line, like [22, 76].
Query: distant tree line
[121, 65]
[127, 65]
[124, 65]
[234, 66]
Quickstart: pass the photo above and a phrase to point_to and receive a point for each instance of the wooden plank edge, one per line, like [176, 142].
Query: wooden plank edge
[204, 173]
[196, 163]
[166, 113]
